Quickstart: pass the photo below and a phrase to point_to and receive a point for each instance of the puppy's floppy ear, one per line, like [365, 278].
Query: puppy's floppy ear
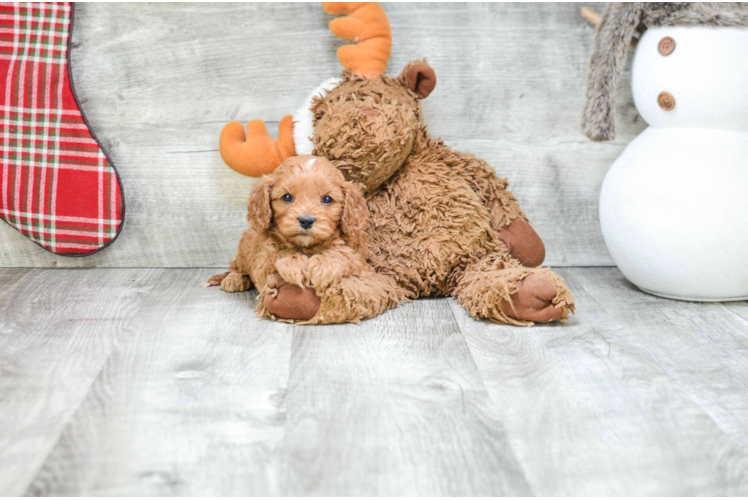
[355, 211]
[259, 210]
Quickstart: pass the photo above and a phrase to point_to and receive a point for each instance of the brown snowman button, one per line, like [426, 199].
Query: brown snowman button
[666, 101]
[666, 46]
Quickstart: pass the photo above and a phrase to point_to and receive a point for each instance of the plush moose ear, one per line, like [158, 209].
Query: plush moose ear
[420, 78]
[259, 210]
[355, 211]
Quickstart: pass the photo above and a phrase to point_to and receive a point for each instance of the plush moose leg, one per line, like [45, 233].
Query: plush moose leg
[350, 301]
[491, 288]
[507, 218]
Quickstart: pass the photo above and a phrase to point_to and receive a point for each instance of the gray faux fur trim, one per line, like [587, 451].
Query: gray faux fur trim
[619, 23]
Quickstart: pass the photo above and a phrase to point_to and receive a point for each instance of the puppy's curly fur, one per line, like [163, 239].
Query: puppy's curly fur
[277, 250]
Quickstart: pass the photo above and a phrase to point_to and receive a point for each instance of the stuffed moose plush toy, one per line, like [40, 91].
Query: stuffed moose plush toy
[441, 222]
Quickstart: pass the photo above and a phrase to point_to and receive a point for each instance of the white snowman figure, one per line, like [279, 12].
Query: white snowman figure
[674, 205]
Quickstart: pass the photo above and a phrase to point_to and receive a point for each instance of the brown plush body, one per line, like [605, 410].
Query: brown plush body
[306, 229]
[439, 218]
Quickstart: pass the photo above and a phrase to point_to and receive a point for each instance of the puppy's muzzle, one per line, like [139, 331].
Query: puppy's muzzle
[306, 221]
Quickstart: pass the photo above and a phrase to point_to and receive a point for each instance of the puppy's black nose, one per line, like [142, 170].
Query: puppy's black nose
[306, 221]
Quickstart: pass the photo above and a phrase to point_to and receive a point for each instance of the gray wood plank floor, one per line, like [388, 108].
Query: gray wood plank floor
[143, 382]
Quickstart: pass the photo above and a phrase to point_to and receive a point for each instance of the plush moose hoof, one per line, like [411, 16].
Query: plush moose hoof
[523, 243]
[291, 301]
[533, 300]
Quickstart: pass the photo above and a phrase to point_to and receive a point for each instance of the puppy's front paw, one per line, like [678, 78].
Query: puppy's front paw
[291, 268]
[235, 282]
[216, 279]
[321, 273]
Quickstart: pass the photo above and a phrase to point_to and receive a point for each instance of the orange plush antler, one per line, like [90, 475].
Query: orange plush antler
[256, 153]
[366, 24]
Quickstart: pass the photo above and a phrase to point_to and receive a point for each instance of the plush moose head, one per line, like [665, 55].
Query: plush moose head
[367, 126]
[365, 122]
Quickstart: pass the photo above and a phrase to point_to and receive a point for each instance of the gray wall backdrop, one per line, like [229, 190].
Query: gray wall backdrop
[158, 82]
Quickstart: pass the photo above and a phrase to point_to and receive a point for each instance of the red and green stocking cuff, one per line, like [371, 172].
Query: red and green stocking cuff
[57, 185]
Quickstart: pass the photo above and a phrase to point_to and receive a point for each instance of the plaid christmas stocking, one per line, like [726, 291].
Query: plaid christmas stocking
[57, 186]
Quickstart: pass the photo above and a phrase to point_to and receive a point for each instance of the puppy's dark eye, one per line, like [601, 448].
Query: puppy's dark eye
[287, 198]
[326, 200]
